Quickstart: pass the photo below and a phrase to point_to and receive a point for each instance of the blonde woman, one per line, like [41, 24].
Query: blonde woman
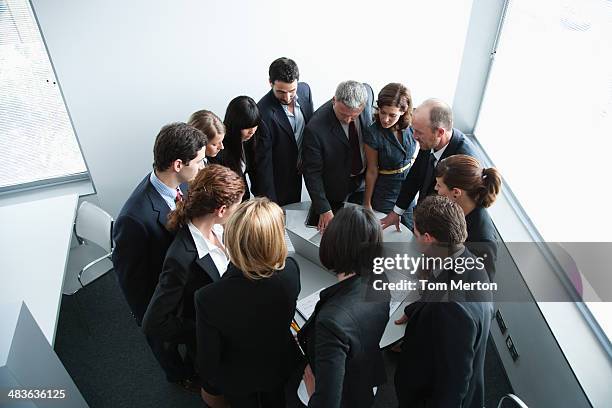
[245, 348]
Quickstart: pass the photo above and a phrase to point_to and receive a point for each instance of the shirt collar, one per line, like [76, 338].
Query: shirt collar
[203, 246]
[439, 153]
[167, 193]
[296, 105]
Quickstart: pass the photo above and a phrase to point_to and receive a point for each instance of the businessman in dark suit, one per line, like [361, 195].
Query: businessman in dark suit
[443, 351]
[432, 123]
[141, 238]
[285, 111]
[333, 156]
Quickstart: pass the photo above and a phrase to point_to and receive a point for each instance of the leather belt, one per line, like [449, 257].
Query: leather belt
[395, 171]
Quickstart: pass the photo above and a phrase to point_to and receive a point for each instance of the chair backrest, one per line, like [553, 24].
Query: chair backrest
[95, 225]
[513, 402]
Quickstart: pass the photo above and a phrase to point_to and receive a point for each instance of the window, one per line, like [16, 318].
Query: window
[546, 119]
[37, 140]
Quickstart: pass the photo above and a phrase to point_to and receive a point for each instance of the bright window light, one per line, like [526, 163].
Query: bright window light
[36, 137]
[546, 118]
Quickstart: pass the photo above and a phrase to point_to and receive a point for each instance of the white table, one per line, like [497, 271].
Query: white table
[35, 241]
[313, 277]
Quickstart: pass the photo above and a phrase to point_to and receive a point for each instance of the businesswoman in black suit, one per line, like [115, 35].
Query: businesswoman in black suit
[342, 336]
[196, 257]
[462, 179]
[241, 121]
[245, 348]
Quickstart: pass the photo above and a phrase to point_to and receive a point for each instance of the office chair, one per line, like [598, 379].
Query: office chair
[514, 402]
[92, 225]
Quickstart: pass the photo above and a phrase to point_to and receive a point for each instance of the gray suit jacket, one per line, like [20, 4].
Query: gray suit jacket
[327, 155]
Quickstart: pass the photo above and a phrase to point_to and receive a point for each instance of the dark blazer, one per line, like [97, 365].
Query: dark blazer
[327, 155]
[276, 151]
[141, 241]
[244, 341]
[342, 340]
[482, 238]
[415, 179]
[249, 160]
[171, 312]
[444, 347]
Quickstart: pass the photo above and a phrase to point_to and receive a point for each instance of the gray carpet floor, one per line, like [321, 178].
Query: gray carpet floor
[109, 360]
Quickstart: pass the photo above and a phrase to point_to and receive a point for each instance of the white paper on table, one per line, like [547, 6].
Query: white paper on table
[306, 306]
[394, 305]
[397, 297]
[303, 393]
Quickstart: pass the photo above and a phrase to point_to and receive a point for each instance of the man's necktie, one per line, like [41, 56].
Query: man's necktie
[429, 177]
[179, 195]
[356, 162]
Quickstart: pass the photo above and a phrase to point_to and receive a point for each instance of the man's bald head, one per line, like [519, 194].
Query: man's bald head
[440, 114]
[432, 124]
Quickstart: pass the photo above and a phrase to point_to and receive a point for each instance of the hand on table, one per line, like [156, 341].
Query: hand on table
[324, 220]
[391, 219]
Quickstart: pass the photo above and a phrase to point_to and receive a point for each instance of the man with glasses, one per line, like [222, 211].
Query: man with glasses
[140, 235]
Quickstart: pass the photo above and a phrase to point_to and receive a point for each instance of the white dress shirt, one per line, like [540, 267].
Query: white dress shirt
[205, 247]
[167, 193]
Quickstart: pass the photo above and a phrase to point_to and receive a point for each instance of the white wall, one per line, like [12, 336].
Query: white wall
[127, 68]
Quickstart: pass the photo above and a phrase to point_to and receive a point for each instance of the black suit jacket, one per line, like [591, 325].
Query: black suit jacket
[171, 312]
[276, 151]
[342, 340]
[482, 238]
[244, 341]
[444, 346]
[249, 160]
[327, 155]
[141, 241]
[415, 179]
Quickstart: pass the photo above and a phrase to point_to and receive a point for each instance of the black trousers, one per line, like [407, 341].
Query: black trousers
[170, 359]
[265, 399]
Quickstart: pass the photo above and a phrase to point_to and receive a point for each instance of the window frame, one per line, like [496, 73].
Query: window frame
[47, 182]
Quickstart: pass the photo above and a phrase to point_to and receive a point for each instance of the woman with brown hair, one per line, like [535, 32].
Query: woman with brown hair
[462, 179]
[209, 124]
[196, 257]
[245, 347]
[389, 148]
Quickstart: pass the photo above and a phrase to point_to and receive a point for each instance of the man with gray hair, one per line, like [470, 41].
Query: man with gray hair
[333, 155]
[432, 123]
